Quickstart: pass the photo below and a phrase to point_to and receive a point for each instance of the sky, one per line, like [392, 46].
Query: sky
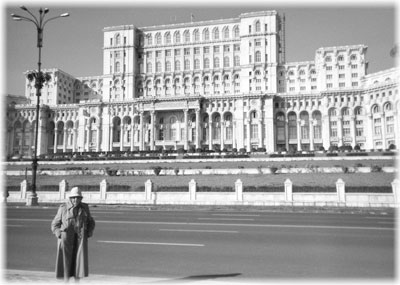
[75, 44]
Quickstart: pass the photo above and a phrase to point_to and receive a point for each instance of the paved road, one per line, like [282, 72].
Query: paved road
[214, 245]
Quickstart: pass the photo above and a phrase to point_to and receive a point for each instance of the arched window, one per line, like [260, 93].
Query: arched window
[196, 64]
[388, 107]
[149, 39]
[258, 27]
[187, 64]
[158, 39]
[117, 67]
[196, 35]
[375, 109]
[206, 63]
[353, 57]
[177, 65]
[168, 66]
[186, 36]
[177, 37]
[226, 33]
[206, 35]
[167, 38]
[158, 66]
[236, 32]
[216, 62]
[117, 39]
[216, 34]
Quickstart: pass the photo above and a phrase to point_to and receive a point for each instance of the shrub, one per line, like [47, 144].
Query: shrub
[321, 148]
[392, 146]
[376, 168]
[242, 150]
[176, 170]
[333, 148]
[157, 170]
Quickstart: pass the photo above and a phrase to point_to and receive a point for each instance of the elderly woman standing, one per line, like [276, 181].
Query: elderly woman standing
[73, 225]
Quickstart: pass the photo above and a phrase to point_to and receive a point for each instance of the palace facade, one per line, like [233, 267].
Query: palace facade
[215, 84]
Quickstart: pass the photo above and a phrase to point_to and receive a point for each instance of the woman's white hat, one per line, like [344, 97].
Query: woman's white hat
[75, 192]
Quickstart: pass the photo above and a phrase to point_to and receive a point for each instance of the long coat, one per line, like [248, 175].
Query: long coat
[72, 245]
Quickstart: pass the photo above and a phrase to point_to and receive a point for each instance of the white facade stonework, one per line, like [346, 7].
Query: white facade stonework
[216, 84]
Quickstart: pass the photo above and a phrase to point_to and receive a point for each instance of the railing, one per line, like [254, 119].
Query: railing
[237, 194]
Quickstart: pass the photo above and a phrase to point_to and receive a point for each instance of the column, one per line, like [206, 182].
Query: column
[248, 135]
[98, 139]
[260, 136]
[141, 145]
[210, 133]
[110, 139]
[340, 131]
[383, 120]
[353, 131]
[311, 126]
[287, 133]
[55, 139]
[234, 141]
[152, 129]
[298, 135]
[132, 135]
[74, 133]
[65, 139]
[121, 137]
[222, 134]
[198, 128]
[185, 138]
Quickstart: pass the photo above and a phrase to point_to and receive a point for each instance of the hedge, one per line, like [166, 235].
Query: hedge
[263, 189]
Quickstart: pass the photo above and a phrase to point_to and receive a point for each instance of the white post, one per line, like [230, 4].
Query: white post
[192, 190]
[148, 185]
[103, 189]
[239, 190]
[340, 189]
[288, 190]
[396, 191]
[24, 185]
[62, 189]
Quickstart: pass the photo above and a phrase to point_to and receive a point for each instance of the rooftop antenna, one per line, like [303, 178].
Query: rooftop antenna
[191, 17]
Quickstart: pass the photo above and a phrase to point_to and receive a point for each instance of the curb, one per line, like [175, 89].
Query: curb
[45, 277]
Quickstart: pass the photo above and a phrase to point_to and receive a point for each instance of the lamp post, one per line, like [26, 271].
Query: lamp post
[40, 78]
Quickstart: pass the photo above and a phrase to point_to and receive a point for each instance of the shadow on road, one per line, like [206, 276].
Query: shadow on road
[201, 278]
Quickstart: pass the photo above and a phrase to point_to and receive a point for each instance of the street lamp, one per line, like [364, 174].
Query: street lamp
[40, 78]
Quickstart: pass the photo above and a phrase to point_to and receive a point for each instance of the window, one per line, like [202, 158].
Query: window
[226, 61]
[206, 63]
[167, 38]
[186, 36]
[177, 65]
[216, 62]
[196, 64]
[158, 39]
[187, 64]
[236, 61]
[177, 37]
[158, 66]
[216, 34]
[206, 35]
[168, 66]
[206, 50]
[216, 49]
[186, 51]
[258, 27]
[196, 35]
[236, 32]
[226, 33]
[226, 48]
[177, 52]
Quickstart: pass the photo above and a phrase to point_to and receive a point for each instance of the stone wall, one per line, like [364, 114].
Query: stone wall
[237, 197]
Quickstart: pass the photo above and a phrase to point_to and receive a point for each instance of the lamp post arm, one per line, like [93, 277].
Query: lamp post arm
[22, 18]
[51, 19]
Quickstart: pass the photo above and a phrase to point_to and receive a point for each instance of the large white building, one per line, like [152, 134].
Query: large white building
[214, 84]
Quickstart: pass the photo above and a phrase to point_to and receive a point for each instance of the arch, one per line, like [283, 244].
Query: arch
[236, 31]
[257, 26]
[167, 38]
[225, 32]
[186, 36]
[359, 111]
[375, 109]
[387, 107]
[158, 39]
[332, 112]
[196, 35]
[215, 33]
[177, 37]
[345, 111]
[206, 34]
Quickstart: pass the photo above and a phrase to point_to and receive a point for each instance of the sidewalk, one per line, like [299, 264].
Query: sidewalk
[42, 277]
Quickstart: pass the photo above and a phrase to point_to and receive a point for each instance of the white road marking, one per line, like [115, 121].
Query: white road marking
[202, 231]
[226, 225]
[225, 219]
[150, 243]
[236, 215]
